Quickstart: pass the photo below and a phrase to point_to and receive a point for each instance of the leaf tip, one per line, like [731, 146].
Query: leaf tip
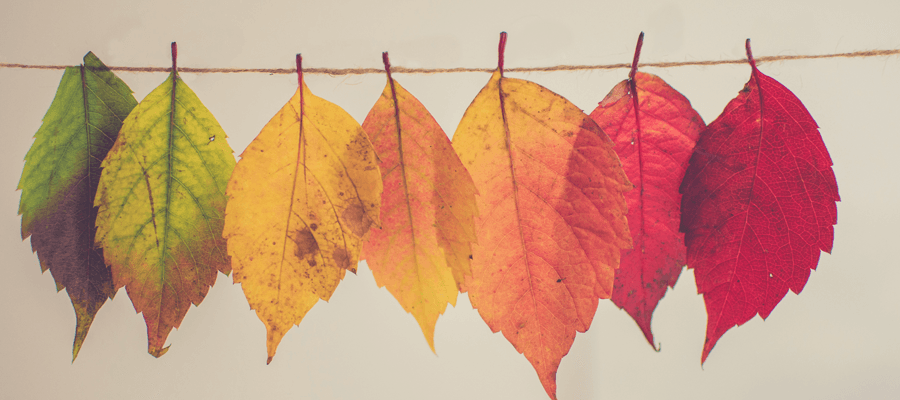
[648, 334]
[430, 340]
[76, 347]
[274, 334]
[81, 330]
[84, 317]
[157, 352]
[707, 348]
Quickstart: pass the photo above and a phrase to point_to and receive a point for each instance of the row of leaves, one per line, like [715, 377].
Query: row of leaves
[525, 209]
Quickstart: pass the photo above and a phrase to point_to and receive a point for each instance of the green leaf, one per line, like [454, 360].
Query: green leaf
[161, 206]
[60, 179]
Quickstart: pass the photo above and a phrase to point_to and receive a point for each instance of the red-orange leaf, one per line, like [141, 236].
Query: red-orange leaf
[421, 253]
[552, 216]
[758, 206]
[655, 129]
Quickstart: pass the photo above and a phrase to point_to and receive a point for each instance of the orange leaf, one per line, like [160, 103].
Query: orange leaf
[303, 195]
[422, 251]
[552, 216]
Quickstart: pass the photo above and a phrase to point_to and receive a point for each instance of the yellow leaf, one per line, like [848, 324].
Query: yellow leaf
[305, 192]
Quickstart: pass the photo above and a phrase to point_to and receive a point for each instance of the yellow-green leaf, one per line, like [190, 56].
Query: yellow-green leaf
[162, 203]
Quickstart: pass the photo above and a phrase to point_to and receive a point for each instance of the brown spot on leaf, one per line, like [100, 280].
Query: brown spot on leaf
[307, 247]
[342, 259]
[356, 219]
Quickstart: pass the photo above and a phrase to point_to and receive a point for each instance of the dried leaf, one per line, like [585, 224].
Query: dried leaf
[305, 192]
[60, 179]
[162, 203]
[551, 219]
[758, 206]
[654, 129]
[421, 253]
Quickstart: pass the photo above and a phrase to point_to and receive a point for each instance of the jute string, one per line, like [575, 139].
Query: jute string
[403, 70]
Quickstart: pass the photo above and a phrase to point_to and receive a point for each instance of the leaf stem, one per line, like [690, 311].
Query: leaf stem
[750, 55]
[500, 50]
[174, 56]
[637, 56]
[636, 139]
[387, 64]
[299, 70]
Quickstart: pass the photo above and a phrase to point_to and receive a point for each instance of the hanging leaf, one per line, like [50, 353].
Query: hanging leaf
[758, 206]
[305, 192]
[551, 216]
[60, 179]
[421, 253]
[654, 129]
[162, 203]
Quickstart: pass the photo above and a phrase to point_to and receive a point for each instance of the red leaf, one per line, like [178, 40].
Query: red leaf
[758, 206]
[654, 129]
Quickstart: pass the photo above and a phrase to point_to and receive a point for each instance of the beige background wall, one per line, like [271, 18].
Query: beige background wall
[836, 340]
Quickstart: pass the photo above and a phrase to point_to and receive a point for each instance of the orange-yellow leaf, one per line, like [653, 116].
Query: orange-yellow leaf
[421, 253]
[301, 198]
[551, 221]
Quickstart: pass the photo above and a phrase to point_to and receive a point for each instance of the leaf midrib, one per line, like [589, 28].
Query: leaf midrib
[515, 187]
[412, 226]
[168, 202]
